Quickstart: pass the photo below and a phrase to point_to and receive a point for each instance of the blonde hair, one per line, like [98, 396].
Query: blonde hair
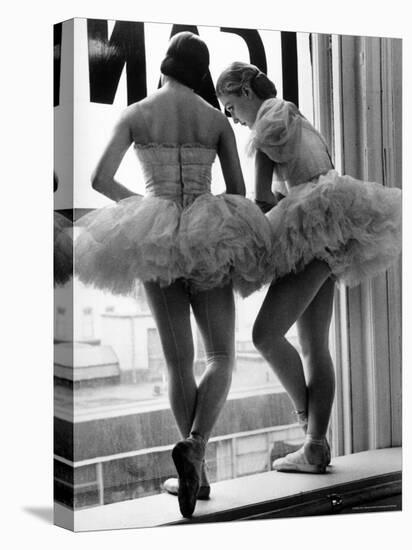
[233, 79]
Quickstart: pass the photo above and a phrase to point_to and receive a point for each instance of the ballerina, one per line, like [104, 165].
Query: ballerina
[326, 227]
[189, 247]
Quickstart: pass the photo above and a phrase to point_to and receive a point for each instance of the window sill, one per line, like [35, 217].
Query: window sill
[353, 481]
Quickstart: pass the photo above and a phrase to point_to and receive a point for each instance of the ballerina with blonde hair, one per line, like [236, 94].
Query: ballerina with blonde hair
[325, 227]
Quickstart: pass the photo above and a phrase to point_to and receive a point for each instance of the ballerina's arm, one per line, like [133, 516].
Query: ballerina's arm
[264, 166]
[229, 160]
[103, 176]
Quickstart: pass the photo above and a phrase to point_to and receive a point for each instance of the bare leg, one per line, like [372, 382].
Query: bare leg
[215, 315]
[313, 330]
[285, 302]
[196, 410]
[171, 310]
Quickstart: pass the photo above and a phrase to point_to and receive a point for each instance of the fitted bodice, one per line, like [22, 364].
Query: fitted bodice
[298, 150]
[177, 172]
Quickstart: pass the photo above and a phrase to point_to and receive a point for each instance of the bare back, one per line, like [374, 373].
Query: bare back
[172, 115]
[177, 116]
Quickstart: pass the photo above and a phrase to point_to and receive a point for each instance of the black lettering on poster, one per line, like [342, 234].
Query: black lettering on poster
[57, 46]
[126, 47]
[107, 59]
[290, 67]
[254, 44]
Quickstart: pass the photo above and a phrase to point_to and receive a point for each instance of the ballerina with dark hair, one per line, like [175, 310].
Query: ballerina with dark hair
[189, 247]
[326, 227]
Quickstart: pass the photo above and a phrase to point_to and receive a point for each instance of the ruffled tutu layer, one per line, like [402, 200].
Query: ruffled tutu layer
[63, 250]
[354, 226]
[215, 240]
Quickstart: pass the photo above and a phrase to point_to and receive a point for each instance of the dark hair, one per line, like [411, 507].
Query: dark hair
[187, 59]
[232, 80]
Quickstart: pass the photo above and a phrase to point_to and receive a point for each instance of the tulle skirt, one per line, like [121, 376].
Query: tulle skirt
[63, 250]
[213, 241]
[354, 226]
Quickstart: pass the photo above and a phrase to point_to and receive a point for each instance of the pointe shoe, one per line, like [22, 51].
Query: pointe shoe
[171, 485]
[188, 458]
[298, 462]
[302, 420]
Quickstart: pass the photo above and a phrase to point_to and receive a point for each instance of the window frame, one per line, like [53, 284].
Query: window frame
[364, 135]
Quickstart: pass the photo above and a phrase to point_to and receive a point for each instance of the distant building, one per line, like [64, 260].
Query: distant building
[80, 364]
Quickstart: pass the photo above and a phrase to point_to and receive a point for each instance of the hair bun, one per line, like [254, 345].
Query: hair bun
[170, 65]
[187, 59]
[238, 74]
[263, 86]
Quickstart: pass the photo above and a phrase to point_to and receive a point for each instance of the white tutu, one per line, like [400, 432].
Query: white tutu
[63, 250]
[210, 242]
[353, 225]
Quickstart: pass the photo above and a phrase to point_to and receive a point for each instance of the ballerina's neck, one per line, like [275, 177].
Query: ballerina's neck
[171, 84]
